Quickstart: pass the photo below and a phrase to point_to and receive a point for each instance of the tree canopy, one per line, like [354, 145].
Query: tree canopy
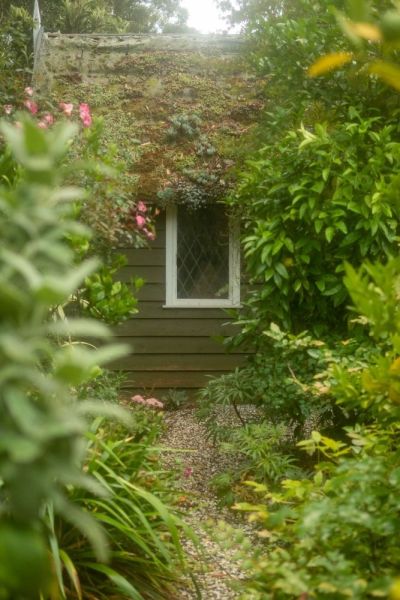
[86, 16]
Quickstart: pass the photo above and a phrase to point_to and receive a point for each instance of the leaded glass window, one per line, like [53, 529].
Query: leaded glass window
[202, 253]
[202, 258]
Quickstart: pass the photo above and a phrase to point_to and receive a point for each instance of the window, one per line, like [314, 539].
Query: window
[203, 264]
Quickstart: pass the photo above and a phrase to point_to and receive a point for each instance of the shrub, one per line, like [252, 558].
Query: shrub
[42, 425]
[15, 52]
[288, 380]
[142, 527]
[334, 535]
[318, 197]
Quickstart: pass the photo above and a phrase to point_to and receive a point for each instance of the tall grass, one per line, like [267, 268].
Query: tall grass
[137, 514]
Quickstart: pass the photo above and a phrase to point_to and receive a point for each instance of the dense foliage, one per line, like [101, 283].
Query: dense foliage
[89, 16]
[15, 52]
[334, 535]
[312, 200]
[42, 425]
[318, 192]
[331, 533]
[106, 498]
[138, 514]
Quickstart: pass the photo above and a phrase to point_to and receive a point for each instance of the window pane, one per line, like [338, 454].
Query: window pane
[203, 253]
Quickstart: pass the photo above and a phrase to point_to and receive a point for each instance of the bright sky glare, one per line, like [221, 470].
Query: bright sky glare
[204, 16]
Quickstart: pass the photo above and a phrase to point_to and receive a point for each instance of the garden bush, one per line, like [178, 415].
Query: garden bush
[333, 535]
[139, 515]
[319, 197]
[318, 190]
[88, 502]
[286, 388]
[110, 210]
[42, 424]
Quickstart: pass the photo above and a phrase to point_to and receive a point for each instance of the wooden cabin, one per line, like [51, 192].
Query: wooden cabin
[177, 106]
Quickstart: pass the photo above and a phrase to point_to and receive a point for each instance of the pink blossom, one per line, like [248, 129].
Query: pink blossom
[67, 108]
[31, 106]
[43, 125]
[140, 221]
[152, 402]
[86, 120]
[84, 113]
[8, 108]
[138, 399]
[149, 234]
[48, 118]
[188, 472]
[141, 207]
[28, 91]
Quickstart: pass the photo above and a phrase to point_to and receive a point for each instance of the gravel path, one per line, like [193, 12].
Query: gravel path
[200, 461]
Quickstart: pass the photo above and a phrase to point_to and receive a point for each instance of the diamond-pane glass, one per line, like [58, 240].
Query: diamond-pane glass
[203, 253]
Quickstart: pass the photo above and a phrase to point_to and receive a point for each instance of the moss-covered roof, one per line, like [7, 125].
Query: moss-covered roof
[175, 105]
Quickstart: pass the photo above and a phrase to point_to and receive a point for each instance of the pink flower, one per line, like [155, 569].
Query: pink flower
[31, 106]
[67, 108]
[43, 125]
[84, 108]
[152, 402]
[138, 399]
[48, 118]
[84, 113]
[141, 207]
[149, 234]
[140, 221]
[28, 91]
[8, 108]
[188, 472]
[87, 121]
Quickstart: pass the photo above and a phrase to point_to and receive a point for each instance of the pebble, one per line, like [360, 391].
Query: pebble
[186, 442]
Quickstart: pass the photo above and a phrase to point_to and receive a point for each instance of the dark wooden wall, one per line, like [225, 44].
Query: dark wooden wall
[170, 347]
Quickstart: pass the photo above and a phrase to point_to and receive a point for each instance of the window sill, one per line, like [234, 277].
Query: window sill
[202, 304]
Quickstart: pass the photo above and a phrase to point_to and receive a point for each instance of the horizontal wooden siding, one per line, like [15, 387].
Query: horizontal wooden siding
[170, 347]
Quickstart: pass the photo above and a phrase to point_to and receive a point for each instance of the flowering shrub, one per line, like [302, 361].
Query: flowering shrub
[150, 402]
[42, 425]
[113, 215]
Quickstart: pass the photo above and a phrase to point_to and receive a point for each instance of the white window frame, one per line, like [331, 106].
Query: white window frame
[172, 300]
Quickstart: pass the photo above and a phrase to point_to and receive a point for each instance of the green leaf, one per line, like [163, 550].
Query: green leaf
[86, 524]
[280, 267]
[329, 234]
[117, 579]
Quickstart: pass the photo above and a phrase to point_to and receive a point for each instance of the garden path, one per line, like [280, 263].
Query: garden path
[200, 461]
